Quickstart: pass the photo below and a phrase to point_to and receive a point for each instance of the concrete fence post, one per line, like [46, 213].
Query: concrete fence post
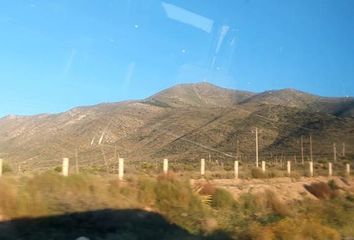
[288, 167]
[120, 168]
[330, 172]
[348, 169]
[1, 162]
[263, 166]
[236, 169]
[65, 170]
[311, 168]
[202, 167]
[165, 166]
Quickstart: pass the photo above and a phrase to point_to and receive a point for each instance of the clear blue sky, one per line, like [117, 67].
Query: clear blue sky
[55, 55]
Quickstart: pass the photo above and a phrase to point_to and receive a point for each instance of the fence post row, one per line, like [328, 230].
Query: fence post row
[236, 169]
[263, 166]
[65, 170]
[288, 167]
[120, 168]
[311, 168]
[165, 166]
[202, 167]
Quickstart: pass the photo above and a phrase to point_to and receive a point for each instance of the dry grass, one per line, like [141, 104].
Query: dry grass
[250, 217]
[293, 229]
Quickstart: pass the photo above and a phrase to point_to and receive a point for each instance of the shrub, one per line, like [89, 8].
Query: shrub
[8, 196]
[58, 169]
[222, 199]
[146, 191]
[332, 185]
[258, 232]
[6, 168]
[176, 200]
[289, 229]
[257, 173]
[275, 205]
[339, 214]
[248, 204]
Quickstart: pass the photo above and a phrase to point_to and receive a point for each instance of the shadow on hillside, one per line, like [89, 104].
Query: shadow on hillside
[108, 224]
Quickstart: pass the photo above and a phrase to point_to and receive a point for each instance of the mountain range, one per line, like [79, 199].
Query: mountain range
[183, 123]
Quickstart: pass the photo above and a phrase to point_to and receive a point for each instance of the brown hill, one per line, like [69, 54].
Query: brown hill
[185, 122]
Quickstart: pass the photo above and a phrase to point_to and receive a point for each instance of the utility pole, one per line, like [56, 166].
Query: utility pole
[256, 147]
[237, 149]
[311, 158]
[334, 153]
[115, 152]
[302, 150]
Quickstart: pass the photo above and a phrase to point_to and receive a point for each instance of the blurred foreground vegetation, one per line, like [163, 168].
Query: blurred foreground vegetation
[201, 209]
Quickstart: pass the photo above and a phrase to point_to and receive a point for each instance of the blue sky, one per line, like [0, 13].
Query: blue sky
[55, 55]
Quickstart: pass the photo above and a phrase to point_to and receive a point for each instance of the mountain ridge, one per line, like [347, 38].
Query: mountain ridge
[180, 123]
[247, 95]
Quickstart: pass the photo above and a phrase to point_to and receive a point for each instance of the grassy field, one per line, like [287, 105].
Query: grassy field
[48, 206]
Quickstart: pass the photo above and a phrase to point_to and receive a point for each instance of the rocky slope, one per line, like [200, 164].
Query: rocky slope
[185, 122]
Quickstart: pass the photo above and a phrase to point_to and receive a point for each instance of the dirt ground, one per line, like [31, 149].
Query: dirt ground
[287, 189]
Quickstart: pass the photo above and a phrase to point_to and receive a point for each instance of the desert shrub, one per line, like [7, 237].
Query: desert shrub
[276, 206]
[257, 173]
[178, 202]
[339, 214]
[291, 229]
[350, 197]
[296, 229]
[6, 168]
[8, 196]
[258, 232]
[274, 174]
[222, 199]
[51, 193]
[332, 185]
[146, 191]
[58, 169]
[249, 205]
